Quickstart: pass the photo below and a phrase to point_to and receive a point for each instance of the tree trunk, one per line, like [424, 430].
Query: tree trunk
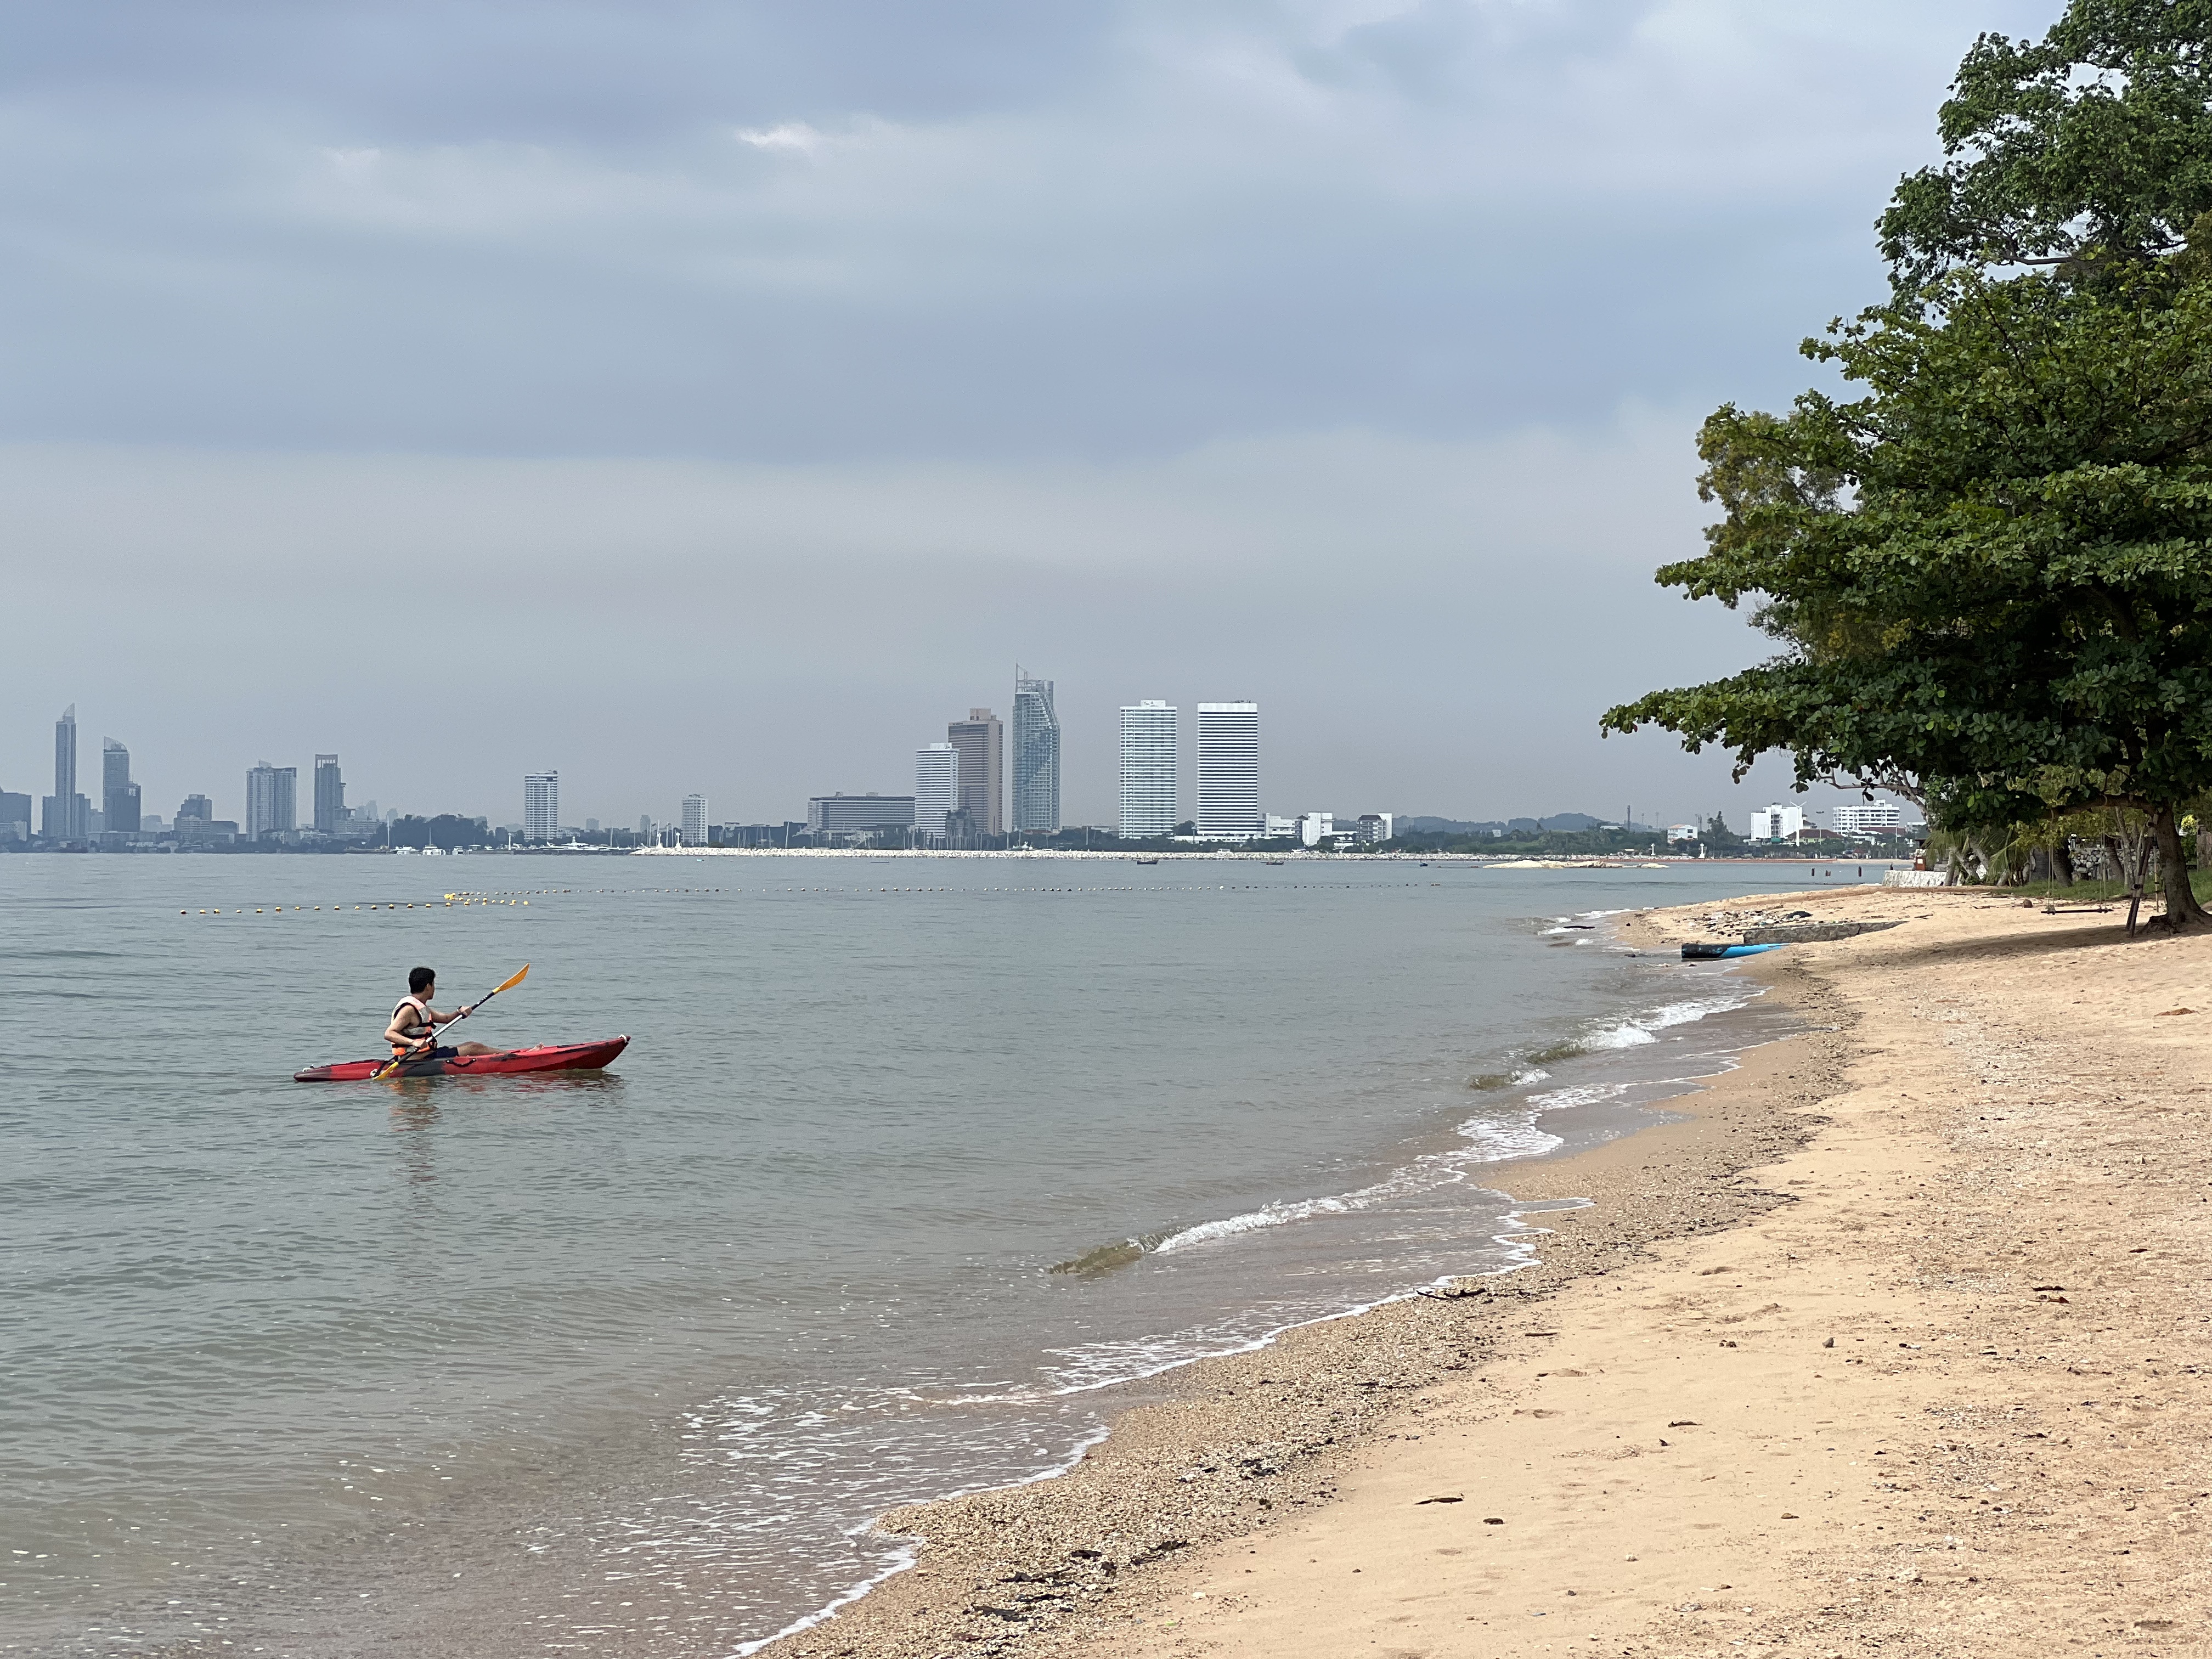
[2062, 860]
[2182, 909]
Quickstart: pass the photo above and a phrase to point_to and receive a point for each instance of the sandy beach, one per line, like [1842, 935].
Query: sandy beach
[1897, 1343]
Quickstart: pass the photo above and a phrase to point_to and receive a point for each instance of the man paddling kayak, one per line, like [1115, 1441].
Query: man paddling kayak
[415, 1021]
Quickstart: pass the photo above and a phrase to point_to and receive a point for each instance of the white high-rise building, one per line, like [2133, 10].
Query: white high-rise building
[1229, 771]
[693, 832]
[1148, 768]
[1869, 818]
[541, 806]
[936, 787]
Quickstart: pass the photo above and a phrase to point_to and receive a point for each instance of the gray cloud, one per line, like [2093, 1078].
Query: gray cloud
[768, 377]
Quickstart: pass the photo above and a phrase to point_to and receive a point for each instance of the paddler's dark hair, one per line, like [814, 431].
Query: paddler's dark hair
[420, 980]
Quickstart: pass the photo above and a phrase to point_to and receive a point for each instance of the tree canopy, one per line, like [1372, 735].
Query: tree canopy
[2096, 139]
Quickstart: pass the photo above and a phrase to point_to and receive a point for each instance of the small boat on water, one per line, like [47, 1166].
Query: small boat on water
[1148, 860]
[513, 1062]
[1274, 864]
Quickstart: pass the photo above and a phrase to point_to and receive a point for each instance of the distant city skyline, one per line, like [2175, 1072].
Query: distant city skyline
[973, 742]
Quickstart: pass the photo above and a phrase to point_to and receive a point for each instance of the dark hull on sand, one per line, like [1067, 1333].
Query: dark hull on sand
[554, 1057]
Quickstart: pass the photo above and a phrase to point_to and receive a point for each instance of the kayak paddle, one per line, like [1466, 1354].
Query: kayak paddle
[431, 1040]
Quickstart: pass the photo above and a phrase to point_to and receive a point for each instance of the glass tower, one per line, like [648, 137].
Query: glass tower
[118, 796]
[1036, 757]
[329, 794]
[66, 815]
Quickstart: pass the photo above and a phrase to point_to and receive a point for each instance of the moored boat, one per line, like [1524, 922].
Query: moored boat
[512, 1062]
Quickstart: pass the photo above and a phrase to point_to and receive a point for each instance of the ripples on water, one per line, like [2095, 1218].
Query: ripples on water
[630, 1360]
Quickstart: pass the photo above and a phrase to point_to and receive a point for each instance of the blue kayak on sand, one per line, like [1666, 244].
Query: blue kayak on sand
[1711, 952]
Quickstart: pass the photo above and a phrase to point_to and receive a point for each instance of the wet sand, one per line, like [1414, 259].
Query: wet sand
[1897, 1344]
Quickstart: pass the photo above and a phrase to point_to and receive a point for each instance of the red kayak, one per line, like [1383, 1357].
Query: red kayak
[552, 1057]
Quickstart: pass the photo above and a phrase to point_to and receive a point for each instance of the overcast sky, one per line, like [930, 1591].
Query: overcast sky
[724, 396]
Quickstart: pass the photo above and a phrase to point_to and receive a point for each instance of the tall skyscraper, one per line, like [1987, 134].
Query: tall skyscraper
[1036, 757]
[1229, 769]
[982, 742]
[118, 796]
[541, 806]
[936, 780]
[329, 794]
[272, 801]
[693, 830]
[1148, 768]
[66, 815]
[65, 754]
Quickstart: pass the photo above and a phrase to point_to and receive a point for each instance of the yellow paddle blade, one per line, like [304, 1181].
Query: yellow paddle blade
[516, 980]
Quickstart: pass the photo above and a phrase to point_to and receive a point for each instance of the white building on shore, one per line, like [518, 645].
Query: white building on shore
[936, 787]
[1148, 768]
[1869, 817]
[541, 806]
[1778, 822]
[1229, 772]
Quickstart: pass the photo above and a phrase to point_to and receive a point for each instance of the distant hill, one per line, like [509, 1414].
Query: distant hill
[1563, 821]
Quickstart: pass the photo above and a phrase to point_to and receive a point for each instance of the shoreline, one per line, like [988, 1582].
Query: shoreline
[1289, 855]
[1312, 1494]
[1220, 1447]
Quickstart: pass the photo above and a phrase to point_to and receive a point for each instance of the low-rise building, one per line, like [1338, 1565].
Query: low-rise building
[1376, 828]
[1778, 822]
[857, 815]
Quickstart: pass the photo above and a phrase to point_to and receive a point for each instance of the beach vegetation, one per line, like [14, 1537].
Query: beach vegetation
[1987, 561]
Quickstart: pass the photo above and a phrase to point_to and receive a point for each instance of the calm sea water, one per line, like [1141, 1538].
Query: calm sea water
[907, 1158]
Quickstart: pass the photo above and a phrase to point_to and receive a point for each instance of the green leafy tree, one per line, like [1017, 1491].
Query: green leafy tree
[2094, 142]
[1993, 571]
[1991, 574]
